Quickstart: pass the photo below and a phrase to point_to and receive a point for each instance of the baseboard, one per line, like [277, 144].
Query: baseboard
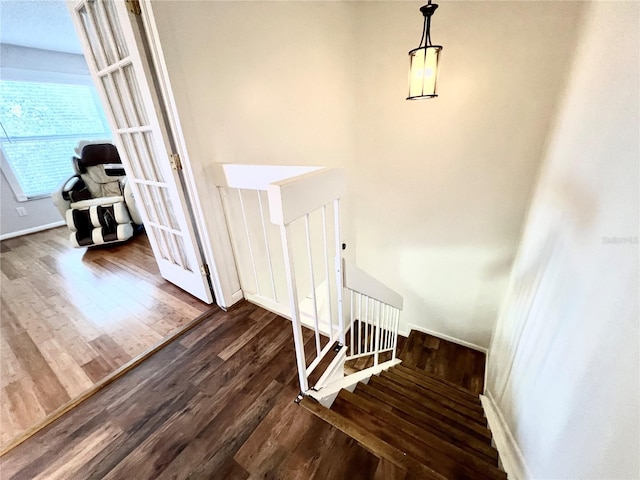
[403, 333]
[236, 297]
[464, 343]
[40, 228]
[511, 456]
[268, 304]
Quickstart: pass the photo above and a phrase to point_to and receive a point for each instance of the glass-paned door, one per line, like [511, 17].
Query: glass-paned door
[113, 47]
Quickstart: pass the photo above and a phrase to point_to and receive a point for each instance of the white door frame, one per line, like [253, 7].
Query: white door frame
[152, 99]
[212, 226]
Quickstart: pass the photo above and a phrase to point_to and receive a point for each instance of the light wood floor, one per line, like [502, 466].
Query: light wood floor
[70, 317]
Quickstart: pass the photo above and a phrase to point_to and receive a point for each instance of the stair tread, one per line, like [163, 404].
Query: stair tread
[428, 448]
[420, 395]
[438, 389]
[375, 445]
[426, 380]
[473, 410]
[439, 440]
[434, 408]
[437, 378]
[401, 408]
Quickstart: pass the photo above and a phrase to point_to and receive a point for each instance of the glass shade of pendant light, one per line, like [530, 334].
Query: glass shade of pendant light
[423, 61]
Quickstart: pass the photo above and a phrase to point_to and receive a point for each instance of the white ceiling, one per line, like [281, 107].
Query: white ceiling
[44, 24]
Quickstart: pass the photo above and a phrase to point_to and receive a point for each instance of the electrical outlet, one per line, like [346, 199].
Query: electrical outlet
[22, 212]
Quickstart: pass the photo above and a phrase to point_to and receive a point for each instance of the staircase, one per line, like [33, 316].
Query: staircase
[425, 421]
[421, 422]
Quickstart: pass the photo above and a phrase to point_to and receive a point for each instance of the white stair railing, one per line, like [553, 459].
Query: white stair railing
[374, 314]
[290, 201]
[256, 242]
[292, 265]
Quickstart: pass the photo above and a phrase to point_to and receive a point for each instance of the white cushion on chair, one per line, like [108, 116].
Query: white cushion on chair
[70, 224]
[121, 213]
[123, 232]
[93, 215]
[74, 240]
[96, 201]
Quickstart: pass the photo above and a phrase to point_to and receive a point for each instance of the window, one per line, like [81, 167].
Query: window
[41, 124]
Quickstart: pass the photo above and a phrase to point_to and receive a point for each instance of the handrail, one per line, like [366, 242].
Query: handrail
[255, 177]
[361, 282]
[295, 197]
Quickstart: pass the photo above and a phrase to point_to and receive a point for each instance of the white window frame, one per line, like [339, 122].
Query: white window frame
[37, 76]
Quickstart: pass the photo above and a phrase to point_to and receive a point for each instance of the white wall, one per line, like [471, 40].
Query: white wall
[438, 188]
[258, 83]
[564, 366]
[40, 212]
[445, 182]
[261, 82]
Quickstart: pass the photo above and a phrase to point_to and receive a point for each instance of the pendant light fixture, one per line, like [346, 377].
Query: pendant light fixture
[423, 61]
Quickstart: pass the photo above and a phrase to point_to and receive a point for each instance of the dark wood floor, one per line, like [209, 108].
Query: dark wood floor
[215, 403]
[450, 361]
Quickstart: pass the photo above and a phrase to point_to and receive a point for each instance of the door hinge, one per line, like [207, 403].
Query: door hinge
[204, 269]
[133, 6]
[176, 163]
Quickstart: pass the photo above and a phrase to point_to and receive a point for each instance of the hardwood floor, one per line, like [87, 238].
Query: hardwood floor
[70, 317]
[427, 423]
[216, 403]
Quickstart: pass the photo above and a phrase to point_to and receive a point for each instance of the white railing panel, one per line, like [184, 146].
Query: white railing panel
[300, 247]
[256, 245]
[373, 327]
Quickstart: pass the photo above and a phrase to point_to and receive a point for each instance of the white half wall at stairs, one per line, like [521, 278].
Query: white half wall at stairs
[563, 374]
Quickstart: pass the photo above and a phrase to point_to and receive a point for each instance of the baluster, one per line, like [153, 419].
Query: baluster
[339, 267]
[360, 343]
[313, 284]
[377, 345]
[266, 245]
[395, 331]
[295, 310]
[326, 271]
[352, 330]
[246, 230]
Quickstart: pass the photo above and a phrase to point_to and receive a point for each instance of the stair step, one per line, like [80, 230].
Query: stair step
[437, 454]
[425, 379]
[437, 392]
[470, 409]
[434, 409]
[455, 436]
[379, 447]
[439, 389]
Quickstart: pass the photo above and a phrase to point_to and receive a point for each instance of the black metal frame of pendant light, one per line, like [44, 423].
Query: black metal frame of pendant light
[425, 44]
